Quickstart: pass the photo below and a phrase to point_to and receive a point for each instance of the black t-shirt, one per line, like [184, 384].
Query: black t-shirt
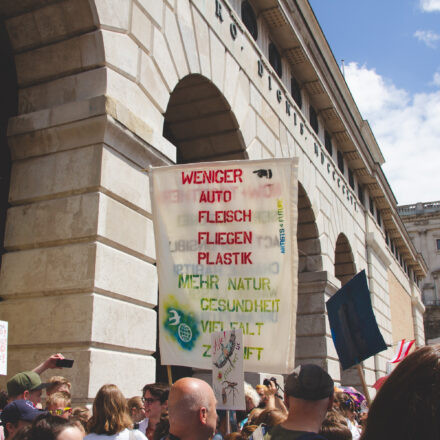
[280, 433]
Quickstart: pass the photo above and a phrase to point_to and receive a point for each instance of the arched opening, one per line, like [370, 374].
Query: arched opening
[345, 268]
[309, 247]
[200, 123]
[309, 322]
[8, 108]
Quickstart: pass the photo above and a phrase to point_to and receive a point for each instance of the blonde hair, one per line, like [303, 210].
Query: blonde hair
[271, 417]
[110, 412]
[55, 382]
[56, 398]
[249, 391]
[261, 387]
[135, 402]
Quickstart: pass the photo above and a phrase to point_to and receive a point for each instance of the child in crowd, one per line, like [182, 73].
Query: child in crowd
[59, 404]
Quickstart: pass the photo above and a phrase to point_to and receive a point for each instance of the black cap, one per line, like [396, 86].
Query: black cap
[309, 382]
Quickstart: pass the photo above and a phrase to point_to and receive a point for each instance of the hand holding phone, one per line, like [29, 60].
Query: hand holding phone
[64, 363]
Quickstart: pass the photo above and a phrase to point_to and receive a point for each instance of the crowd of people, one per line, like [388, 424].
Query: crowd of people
[406, 407]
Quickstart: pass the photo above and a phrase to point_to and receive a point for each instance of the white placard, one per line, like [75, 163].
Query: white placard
[227, 258]
[3, 348]
[227, 369]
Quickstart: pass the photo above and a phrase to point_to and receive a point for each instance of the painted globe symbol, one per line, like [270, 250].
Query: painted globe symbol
[185, 333]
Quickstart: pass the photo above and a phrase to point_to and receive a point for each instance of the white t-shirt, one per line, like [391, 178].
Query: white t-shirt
[143, 425]
[355, 431]
[123, 435]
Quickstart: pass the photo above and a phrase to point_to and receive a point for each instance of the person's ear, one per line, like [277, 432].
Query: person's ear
[10, 428]
[203, 415]
[26, 395]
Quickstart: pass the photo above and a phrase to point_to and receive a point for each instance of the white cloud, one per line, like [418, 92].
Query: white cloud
[407, 130]
[436, 79]
[430, 5]
[430, 38]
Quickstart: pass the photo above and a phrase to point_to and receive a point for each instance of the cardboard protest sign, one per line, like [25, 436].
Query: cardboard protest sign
[227, 369]
[3, 348]
[354, 328]
[226, 251]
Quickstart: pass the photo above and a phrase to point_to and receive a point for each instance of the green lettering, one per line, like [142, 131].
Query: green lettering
[205, 353]
[204, 307]
[185, 283]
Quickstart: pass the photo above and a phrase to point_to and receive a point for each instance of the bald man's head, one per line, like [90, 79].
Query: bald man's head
[192, 403]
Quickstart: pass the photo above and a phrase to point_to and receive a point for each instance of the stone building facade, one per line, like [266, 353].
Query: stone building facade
[422, 220]
[98, 90]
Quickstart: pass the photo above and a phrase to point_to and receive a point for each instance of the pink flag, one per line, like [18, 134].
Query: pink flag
[402, 350]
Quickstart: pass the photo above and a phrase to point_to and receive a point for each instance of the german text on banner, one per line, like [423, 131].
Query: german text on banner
[226, 253]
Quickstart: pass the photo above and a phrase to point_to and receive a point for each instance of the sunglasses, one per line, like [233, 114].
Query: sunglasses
[60, 412]
[149, 400]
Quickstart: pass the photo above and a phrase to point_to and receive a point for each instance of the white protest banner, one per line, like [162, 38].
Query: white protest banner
[227, 369]
[3, 348]
[227, 258]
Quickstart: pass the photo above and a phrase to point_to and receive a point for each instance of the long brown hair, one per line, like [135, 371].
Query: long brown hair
[110, 412]
[407, 405]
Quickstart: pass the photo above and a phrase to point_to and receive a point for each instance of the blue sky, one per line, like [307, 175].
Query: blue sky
[391, 52]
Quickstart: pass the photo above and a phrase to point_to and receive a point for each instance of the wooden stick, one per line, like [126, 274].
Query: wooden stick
[228, 422]
[170, 375]
[364, 384]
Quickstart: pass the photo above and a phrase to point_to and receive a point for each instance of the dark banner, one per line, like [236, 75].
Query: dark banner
[354, 328]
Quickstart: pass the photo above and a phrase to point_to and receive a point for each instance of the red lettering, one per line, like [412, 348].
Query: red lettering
[212, 196]
[237, 175]
[225, 258]
[187, 178]
[212, 176]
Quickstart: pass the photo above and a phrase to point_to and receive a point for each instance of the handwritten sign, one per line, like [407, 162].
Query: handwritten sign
[3, 348]
[227, 369]
[227, 259]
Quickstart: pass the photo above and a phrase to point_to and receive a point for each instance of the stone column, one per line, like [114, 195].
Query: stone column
[314, 343]
[79, 275]
[418, 310]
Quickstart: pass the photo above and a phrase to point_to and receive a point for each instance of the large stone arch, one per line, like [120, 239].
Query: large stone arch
[311, 344]
[200, 123]
[309, 246]
[345, 268]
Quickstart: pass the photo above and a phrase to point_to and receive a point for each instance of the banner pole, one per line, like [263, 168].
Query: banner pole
[364, 384]
[228, 422]
[170, 375]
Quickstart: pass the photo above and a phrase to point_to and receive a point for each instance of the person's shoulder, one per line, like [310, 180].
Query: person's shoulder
[129, 434]
[139, 435]
[280, 433]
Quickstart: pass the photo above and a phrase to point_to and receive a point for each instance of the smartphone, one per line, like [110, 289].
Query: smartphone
[64, 363]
